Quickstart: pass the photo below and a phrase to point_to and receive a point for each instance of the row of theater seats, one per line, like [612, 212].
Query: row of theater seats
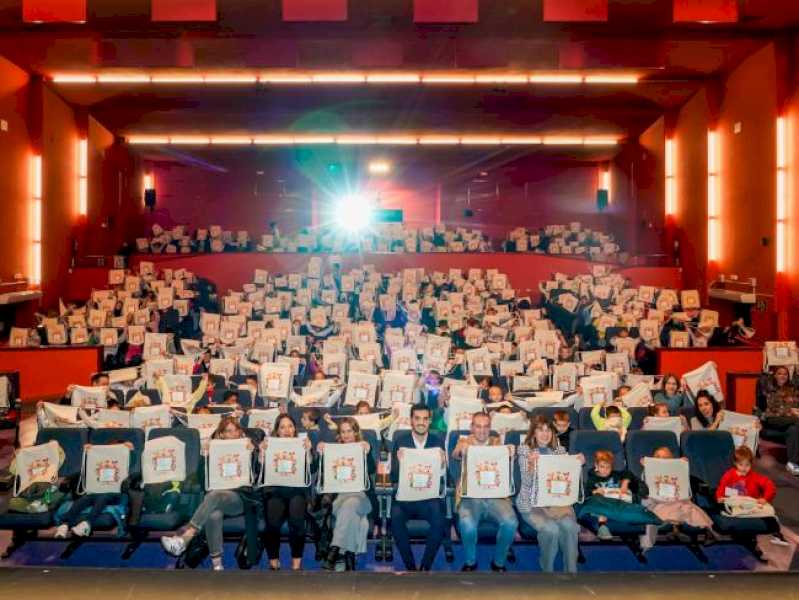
[709, 453]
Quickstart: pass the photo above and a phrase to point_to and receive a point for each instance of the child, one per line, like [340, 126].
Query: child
[309, 419]
[609, 496]
[676, 512]
[661, 409]
[563, 426]
[617, 418]
[83, 513]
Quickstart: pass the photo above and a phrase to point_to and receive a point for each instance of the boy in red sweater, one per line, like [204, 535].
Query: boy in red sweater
[741, 480]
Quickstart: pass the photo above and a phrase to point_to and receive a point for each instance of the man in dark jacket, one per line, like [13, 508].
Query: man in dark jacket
[431, 511]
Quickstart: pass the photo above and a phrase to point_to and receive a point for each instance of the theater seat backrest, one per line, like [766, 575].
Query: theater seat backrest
[710, 454]
[640, 444]
[548, 412]
[638, 414]
[109, 435]
[71, 440]
[588, 442]
[584, 420]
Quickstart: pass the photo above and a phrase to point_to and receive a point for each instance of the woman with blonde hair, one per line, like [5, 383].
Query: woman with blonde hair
[350, 510]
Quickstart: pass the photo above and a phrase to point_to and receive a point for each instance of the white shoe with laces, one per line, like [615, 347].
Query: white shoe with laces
[792, 468]
[173, 544]
[62, 531]
[82, 529]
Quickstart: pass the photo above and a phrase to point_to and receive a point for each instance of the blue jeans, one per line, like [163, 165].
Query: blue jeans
[500, 510]
[555, 533]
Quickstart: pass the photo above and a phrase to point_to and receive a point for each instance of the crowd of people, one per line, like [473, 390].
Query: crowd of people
[324, 357]
[568, 240]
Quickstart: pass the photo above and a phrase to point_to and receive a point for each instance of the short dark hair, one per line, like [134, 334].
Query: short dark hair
[420, 407]
[97, 376]
[230, 394]
[312, 414]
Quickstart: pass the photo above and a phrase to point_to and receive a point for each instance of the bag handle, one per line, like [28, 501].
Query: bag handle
[367, 481]
[81, 489]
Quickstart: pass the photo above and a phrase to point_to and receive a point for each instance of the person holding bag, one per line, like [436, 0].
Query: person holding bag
[555, 526]
[351, 508]
[216, 505]
[286, 502]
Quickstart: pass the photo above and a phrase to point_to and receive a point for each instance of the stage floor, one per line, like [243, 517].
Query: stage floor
[132, 584]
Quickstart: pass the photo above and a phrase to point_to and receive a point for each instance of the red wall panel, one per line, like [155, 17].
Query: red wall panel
[314, 10]
[183, 10]
[53, 11]
[232, 271]
[728, 360]
[46, 372]
[718, 11]
[575, 10]
[445, 11]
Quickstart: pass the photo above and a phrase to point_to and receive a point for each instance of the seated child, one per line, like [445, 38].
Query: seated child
[562, 422]
[661, 409]
[676, 512]
[742, 480]
[309, 419]
[81, 516]
[617, 418]
[610, 496]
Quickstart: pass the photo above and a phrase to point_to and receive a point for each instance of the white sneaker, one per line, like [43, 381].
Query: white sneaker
[218, 567]
[649, 538]
[62, 531]
[173, 544]
[82, 529]
[792, 468]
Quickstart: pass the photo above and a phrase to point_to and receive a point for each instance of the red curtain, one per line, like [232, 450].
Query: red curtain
[53, 11]
[184, 10]
[445, 11]
[575, 10]
[314, 10]
[718, 11]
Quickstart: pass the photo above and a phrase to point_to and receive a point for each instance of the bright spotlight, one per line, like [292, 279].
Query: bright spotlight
[354, 213]
[379, 167]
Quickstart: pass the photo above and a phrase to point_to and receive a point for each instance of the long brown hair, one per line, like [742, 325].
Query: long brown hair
[224, 422]
[537, 423]
[356, 429]
[280, 419]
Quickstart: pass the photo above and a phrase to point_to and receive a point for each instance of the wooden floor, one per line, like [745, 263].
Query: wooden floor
[131, 584]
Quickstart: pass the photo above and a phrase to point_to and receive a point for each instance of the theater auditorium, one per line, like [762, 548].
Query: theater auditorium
[398, 297]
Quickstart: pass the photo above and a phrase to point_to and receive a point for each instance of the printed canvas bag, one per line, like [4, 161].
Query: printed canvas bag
[89, 397]
[36, 464]
[228, 465]
[263, 419]
[705, 377]
[558, 480]
[104, 468]
[274, 380]
[343, 469]
[163, 459]
[361, 387]
[742, 429]
[420, 475]
[668, 479]
[487, 472]
[149, 417]
[398, 388]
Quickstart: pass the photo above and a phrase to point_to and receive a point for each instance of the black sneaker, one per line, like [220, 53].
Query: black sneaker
[468, 567]
[495, 567]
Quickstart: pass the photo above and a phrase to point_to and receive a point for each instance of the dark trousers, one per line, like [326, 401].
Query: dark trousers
[791, 426]
[279, 509]
[95, 502]
[431, 511]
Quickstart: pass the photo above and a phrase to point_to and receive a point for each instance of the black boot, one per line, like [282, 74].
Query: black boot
[329, 564]
[349, 561]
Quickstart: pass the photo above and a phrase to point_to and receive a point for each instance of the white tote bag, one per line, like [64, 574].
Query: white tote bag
[479, 362]
[274, 380]
[263, 419]
[343, 469]
[361, 387]
[780, 354]
[487, 472]
[460, 412]
[436, 352]
[639, 396]
[596, 389]
[742, 428]
[205, 425]
[420, 475]
[36, 464]
[89, 397]
[285, 463]
[155, 345]
[516, 421]
[673, 424]
[397, 389]
[705, 377]
[163, 459]
[153, 369]
[564, 377]
[104, 468]
[57, 415]
[108, 418]
[149, 417]
[668, 479]
[228, 465]
[558, 477]
[178, 390]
